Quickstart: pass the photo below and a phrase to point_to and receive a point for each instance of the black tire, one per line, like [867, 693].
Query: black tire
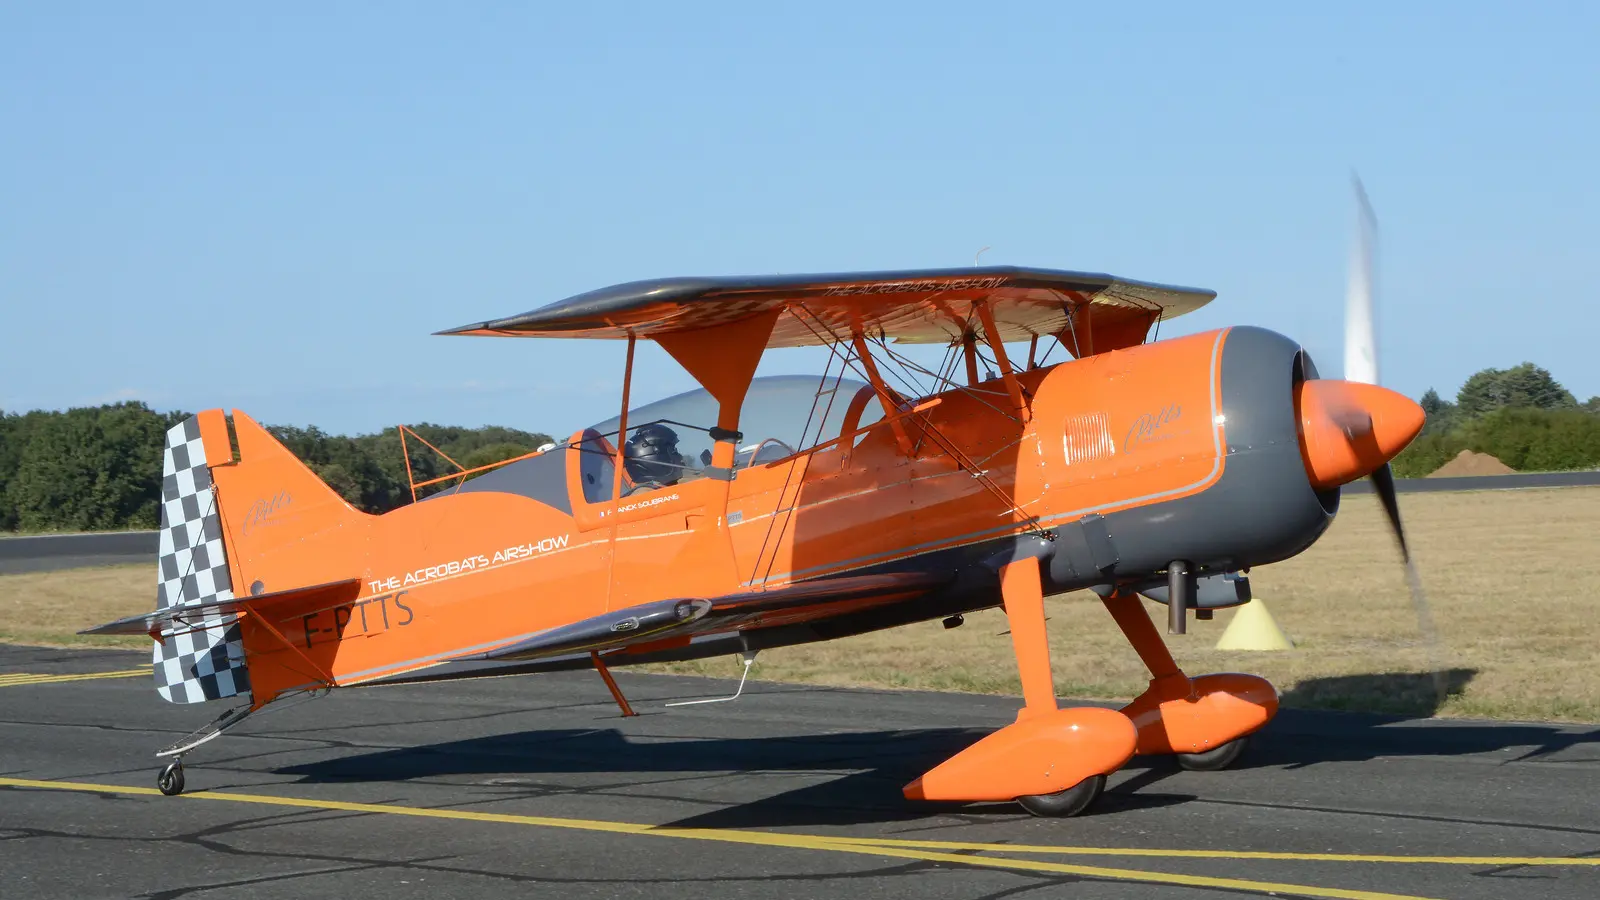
[170, 781]
[1216, 759]
[1070, 802]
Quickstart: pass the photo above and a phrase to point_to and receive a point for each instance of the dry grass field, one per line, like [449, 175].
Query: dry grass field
[47, 607]
[1513, 577]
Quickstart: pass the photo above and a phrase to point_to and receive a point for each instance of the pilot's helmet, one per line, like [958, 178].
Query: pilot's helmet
[651, 455]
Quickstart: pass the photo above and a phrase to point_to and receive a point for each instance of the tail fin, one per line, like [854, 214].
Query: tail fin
[261, 524]
[285, 527]
[204, 662]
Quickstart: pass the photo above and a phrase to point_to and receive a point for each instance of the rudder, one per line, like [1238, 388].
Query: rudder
[207, 662]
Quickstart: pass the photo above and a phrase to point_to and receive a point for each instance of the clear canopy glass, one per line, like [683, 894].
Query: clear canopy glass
[669, 441]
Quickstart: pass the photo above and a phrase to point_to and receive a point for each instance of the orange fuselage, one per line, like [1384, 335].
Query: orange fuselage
[1119, 462]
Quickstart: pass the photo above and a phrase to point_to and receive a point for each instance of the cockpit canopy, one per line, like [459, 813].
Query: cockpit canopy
[669, 441]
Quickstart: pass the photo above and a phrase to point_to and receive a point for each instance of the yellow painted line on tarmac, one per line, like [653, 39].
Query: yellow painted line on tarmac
[1225, 854]
[17, 679]
[757, 838]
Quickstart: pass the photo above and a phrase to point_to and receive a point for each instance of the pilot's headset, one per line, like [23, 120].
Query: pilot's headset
[651, 455]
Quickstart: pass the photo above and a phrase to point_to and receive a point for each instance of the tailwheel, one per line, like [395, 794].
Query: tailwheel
[170, 781]
[1216, 759]
[1070, 802]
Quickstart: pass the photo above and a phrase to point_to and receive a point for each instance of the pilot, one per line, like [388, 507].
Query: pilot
[651, 457]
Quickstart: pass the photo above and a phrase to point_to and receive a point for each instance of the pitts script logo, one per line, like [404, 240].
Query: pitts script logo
[264, 510]
[1148, 427]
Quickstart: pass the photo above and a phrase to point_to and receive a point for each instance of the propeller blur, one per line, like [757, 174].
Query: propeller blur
[1350, 431]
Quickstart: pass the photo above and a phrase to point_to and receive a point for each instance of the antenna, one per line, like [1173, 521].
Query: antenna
[749, 660]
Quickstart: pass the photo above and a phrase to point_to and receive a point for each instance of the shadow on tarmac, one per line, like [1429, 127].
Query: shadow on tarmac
[1391, 693]
[875, 765]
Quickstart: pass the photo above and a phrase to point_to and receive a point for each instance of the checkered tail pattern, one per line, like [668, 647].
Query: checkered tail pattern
[206, 661]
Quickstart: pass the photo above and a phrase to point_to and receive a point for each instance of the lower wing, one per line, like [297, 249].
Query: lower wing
[664, 625]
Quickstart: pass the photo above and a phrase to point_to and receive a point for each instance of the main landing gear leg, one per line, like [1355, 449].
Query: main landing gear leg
[1204, 721]
[1053, 761]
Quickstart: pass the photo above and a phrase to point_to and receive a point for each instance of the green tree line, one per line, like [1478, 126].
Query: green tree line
[1521, 416]
[99, 468]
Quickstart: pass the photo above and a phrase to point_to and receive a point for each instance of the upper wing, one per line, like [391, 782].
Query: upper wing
[661, 619]
[917, 306]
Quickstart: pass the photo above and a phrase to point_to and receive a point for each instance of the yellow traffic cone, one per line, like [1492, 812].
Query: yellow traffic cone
[1252, 628]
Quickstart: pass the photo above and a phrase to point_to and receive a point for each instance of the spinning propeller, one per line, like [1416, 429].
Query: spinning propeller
[1352, 428]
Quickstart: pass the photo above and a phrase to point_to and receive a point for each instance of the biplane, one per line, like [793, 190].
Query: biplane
[754, 513]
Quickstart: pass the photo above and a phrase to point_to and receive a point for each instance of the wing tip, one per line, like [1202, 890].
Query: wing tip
[474, 328]
[131, 625]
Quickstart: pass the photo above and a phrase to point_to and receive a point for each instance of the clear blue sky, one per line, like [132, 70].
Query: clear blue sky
[271, 207]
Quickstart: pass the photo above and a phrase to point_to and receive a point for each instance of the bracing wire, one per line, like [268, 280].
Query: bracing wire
[783, 494]
[962, 460]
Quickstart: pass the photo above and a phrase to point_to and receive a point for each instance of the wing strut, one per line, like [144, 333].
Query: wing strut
[611, 684]
[969, 349]
[882, 390]
[620, 466]
[1007, 374]
[885, 398]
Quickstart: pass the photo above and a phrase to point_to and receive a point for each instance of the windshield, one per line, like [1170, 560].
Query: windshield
[669, 441]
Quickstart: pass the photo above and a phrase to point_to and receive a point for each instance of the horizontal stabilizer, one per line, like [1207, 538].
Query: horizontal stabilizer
[192, 615]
